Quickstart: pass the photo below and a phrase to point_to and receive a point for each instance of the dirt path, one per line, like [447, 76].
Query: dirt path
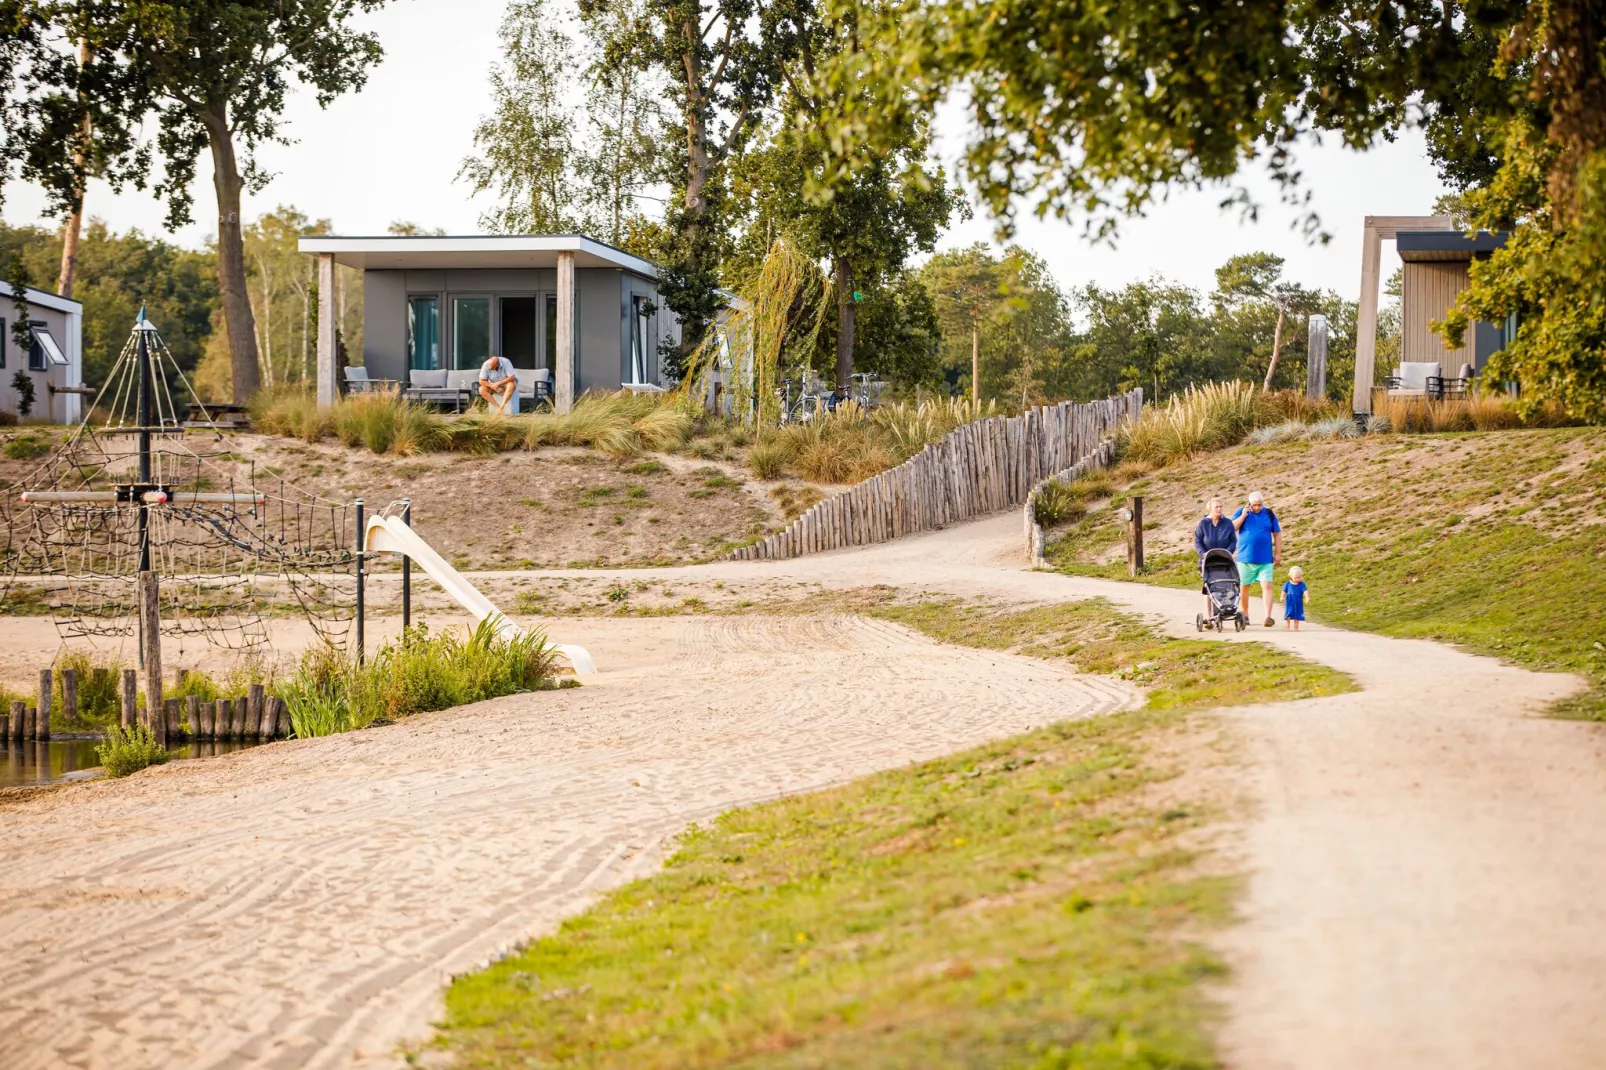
[1424, 856]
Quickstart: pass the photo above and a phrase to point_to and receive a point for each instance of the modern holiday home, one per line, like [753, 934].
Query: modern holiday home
[584, 313]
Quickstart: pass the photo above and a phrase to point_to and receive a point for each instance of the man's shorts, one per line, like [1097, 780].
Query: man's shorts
[1248, 573]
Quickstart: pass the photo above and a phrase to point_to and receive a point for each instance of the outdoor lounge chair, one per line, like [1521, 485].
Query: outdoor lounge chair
[432, 387]
[1410, 379]
[358, 382]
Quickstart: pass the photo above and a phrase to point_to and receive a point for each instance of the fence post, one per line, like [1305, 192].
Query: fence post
[130, 698]
[44, 703]
[1134, 536]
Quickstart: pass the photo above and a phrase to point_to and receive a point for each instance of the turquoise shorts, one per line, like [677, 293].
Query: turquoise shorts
[1248, 573]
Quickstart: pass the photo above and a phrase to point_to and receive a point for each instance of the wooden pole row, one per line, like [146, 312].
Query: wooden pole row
[983, 467]
[256, 716]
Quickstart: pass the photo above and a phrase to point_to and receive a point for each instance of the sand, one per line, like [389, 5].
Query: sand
[1422, 857]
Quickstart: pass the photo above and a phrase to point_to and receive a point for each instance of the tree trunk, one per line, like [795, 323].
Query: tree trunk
[1276, 344]
[75, 222]
[237, 317]
[975, 361]
[844, 327]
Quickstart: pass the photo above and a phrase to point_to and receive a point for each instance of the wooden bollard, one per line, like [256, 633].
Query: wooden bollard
[19, 719]
[218, 727]
[170, 717]
[130, 698]
[44, 704]
[237, 720]
[270, 719]
[31, 729]
[69, 695]
[253, 712]
[192, 713]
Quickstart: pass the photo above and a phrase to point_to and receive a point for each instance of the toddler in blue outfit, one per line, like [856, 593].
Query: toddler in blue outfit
[1294, 598]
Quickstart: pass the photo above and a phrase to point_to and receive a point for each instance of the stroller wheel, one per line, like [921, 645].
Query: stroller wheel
[1238, 622]
[1198, 618]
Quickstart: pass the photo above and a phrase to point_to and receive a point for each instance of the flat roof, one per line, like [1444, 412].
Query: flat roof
[1416, 245]
[390, 252]
[43, 298]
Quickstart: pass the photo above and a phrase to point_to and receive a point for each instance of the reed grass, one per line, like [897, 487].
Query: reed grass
[851, 445]
[330, 693]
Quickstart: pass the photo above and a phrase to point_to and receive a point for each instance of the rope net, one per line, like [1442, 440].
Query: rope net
[233, 548]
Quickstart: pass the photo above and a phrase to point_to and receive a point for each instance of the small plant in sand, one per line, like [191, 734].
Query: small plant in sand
[128, 750]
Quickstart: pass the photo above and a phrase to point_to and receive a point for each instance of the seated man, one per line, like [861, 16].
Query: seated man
[498, 383]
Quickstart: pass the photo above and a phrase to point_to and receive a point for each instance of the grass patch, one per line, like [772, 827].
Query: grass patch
[1098, 638]
[1018, 904]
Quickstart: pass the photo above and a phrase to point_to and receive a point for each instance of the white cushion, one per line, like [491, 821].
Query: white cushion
[356, 374]
[427, 380]
[1414, 375]
[463, 379]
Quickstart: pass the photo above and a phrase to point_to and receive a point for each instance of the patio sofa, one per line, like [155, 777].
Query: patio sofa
[458, 388]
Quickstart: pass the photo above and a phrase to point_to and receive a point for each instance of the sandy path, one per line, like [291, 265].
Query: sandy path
[300, 904]
[1424, 855]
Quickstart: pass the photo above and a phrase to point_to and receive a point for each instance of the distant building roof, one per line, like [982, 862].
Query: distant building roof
[42, 298]
[437, 252]
[1415, 245]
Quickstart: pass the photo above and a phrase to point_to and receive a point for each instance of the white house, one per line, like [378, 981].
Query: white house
[53, 359]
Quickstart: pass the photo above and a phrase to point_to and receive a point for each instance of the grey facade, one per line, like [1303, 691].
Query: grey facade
[1433, 275]
[53, 359]
[447, 303]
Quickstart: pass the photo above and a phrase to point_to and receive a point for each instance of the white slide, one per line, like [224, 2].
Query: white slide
[388, 535]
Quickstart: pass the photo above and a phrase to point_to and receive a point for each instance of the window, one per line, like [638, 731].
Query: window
[44, 351]
[423, 333]
[471, 331]
[550, 310]
[641, 339]
[516, 321]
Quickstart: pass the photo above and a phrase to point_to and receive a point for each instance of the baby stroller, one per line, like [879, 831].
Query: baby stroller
[1219, 573]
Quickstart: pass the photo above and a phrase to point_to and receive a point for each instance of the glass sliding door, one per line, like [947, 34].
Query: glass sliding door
[641, 339]
[423, 333]
[471, 331]
[549, 330]
[516, 328]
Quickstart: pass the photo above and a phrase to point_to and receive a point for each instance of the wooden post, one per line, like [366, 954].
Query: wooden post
[563, 361]
[237, 719]
[19, 719]
[192, 713]
[328, 372]
[1316, 359]
[69, 695]
[31, 725]
[222, 711]
[1134, 537]
[44, 703]
[151, 639]
[130, 698]
[5, 726]
[270, 719]
[253, 712]
[170, 728]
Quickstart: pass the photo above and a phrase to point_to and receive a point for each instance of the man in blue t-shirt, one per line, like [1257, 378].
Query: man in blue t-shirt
[1260, 550]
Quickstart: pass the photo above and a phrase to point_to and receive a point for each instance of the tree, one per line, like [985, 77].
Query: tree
[1255, 279]
[1153, 333]
[970, 289]
[216, 73]
[720, 73]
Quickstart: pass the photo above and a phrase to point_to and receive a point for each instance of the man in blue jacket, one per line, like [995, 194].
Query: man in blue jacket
[1215, 532]
[1260, 549]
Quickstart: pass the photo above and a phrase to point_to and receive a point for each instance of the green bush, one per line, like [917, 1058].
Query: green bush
[1057, 503]
[28, 447]
[128, 750]
[417, 673]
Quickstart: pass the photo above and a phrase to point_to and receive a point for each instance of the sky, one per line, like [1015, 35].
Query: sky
[392, 152]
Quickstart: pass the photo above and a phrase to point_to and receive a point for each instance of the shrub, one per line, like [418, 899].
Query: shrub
[290, 412]
[100, 694]
[1333, 428]
[1057, 503]
[1093, 485]
[1130, 471]
[768, 460]
[129, 750]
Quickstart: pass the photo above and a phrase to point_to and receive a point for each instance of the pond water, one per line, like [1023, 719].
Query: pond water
[72, 758]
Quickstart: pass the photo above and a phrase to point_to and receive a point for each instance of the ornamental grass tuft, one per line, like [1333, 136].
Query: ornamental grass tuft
[128, 750]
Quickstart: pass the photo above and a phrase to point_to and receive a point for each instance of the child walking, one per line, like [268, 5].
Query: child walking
[1294, 598]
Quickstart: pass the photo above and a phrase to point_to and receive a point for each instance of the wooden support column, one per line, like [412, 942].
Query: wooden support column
[1316, 359]
[44, 703]
[563, 362]
[130, 698]
[150, 620]
[1377, 228]
[328, 371]
[69, 695]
